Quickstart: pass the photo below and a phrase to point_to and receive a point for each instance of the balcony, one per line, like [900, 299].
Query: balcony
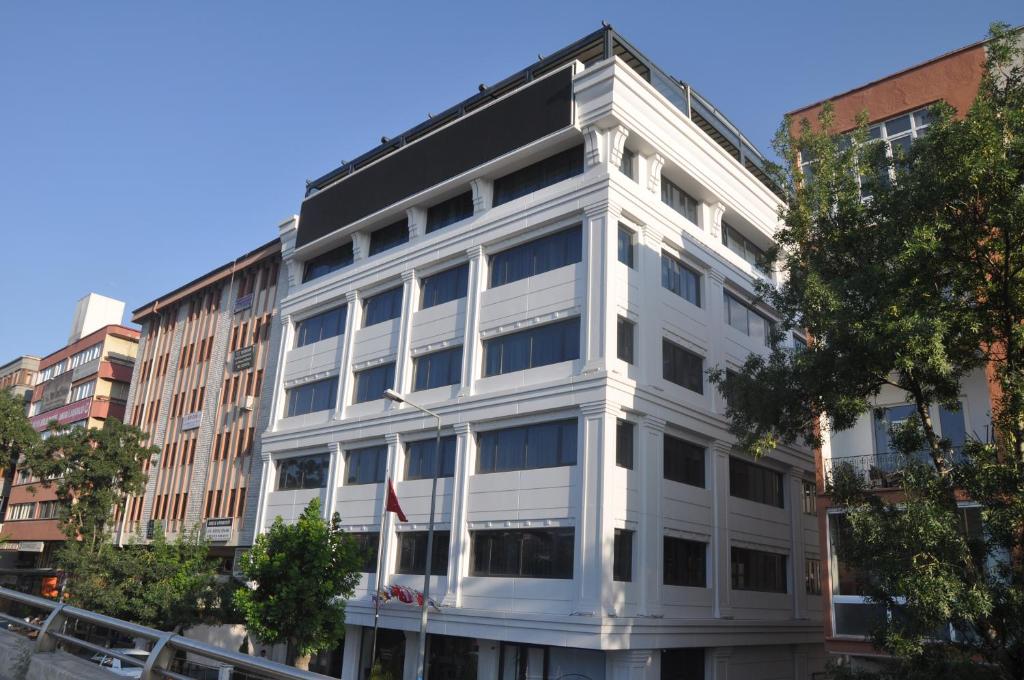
[882, 470]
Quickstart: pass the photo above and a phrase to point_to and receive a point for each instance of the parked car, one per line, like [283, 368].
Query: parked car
[118, 667]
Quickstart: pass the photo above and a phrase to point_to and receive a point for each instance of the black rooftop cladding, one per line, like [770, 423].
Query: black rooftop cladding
[598, 45]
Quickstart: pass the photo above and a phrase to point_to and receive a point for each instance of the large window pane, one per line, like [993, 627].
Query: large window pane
[538, 256]
[419, 458]
[682, 367]
[544, 173]
[321, 326]
[528, 447]
[540, 346]
[680, 201]
[328, 262]
[438, 369]
[624, 437]
[445, 286]
[412, 553]
[684, 461]
[449, 212]
[755, 483]
[371, 383]
[685, 562]
[382, 307]
[680, 279]
[626, 247]
[316, 396]
[303, 472]
[389, 237]
[529, 553]
[758, 570]
[366, 465]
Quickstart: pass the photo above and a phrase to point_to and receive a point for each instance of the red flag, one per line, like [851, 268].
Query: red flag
[393, 505]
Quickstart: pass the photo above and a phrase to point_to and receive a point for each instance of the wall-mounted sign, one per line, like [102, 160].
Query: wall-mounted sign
[242, 303]
[72, 413]
[191, 421]
[242, 358]
[218, 529]
[10, 545]
[31, 546]
[56, 392]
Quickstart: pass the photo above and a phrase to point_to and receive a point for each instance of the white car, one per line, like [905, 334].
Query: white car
[118, 667]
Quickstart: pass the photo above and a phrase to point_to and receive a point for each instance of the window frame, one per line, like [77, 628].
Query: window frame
[686, 578]
[371, 301]
[680, 351]
[622, 555]
[454, 365]
[356, 462]
[431, 292]
[292, 397]
[625, 346]
[685, 464]
[505, 359]
[512, 437]
[561, 537]
[359, 395]
[304, 328]
[759, 582]
[758, 489]
[625, 430]
[536, 256]
[674, 270]
[628, 257]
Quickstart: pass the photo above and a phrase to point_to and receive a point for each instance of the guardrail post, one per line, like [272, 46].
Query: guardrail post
[46, 642]
[159, 657]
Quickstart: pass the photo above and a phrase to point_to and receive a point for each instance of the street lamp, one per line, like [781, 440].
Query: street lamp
[422, 651]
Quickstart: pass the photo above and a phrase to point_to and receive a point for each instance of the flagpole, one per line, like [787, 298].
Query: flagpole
[376, 578]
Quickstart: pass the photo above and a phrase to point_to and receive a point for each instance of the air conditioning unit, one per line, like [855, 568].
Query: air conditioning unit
[249, 403]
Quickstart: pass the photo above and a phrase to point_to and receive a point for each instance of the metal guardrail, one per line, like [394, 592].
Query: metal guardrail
[881, 470]
[56, 624]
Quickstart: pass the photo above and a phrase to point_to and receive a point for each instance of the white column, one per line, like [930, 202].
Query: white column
[353, 320]
[794, 497]
[483, 194]
[417, 220]
[458, 546]
[389, 541]
[633, 664]
[649, 330]
[714, 302]
[593, 526]
[334, 473]
[350, 658]
[403, 362]
[719, 662]
[721, 576]
[360, 245]
[412, 641]
[277, 403]
[261, 497]
[472, 355]
[650, 472]
[598, 326]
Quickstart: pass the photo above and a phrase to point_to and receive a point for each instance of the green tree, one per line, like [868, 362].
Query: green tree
[914, 289]
[17, 436]
[301, 576]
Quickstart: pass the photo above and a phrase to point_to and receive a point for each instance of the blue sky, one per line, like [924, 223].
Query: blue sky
[143, 144]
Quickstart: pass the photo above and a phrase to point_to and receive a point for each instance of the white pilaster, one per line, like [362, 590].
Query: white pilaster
[350, 658]
[412, 641]
[277, 402]
[353, 320]
[389, 542]
[471, 347]
[721, 577]
[714, 302]
[598, 326]
[403, 362]
[261, 496]
[416, 217]
[458, 545]
[719, 663]
[794, 497]
[593, 525]
[360, 245]
[649, 331]
[334, 474]
[483, 194]
[650, 471]
[633, 664]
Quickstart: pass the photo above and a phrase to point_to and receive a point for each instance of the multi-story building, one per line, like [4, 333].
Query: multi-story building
[19, 376]
[897, 106]
[202, 357]
[551, 266]
[81, 384]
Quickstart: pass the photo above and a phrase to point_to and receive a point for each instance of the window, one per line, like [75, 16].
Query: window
[449, 212]
[83, 391]
[451, 284]
[799, 344]
[682, 663]
[312, 397]
[412, 553]
[677, 199]
[320, 327]
[626, 330]
[758, 570]
[528, 553]
[528, 447]
[627, 166]
[538, 256]
[684, 461]
[19, 511]
[49, 510]
[367, 465]
[685, 562]
[812, 576]
[755, 483]
[680, 279]
[389, 237]
[371, 383]
[624, 437]
[682, 367]
[551, 170]
[419, 458]
[382, 307]
[739, 244]
[367, 543]
[438, 369]
[324, 264]
[743, 318]
[627, 247]
[303, 472]
[540, 346]
[810, 495]
[622, 555]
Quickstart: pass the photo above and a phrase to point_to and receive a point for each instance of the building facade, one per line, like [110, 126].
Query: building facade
[81, 384]
[197, 393]
[897, 107]
[19, 376]
[551, 266]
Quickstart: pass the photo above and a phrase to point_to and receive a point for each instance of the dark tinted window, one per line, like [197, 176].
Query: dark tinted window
[624, 350]
[538, 256]
[412, 553]
[320, 327]
[541, 174]
[685, 562]
[328, 262]
[304, 472]
[758, 570]
[682, 367]
[743, 318]
[449, 212]
[624, 431]
[531, 553]
[680, 201]
[445, 286]
[531, 446]
[311, 397]
[367, 543]
[389, 237]
[540, 346]
[382, 307]
[627, 254]
[741, 245]
[680, 279]
[371, 383]
[419, 458]
[367, 465]
[682, 663]
[438, 369]
[622, 555]
[684, 462]
[627, 165]
[755, 483]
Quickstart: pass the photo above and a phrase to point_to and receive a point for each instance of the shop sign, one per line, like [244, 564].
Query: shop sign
[71, 413]
[191, 421]
[218, 529]
[56, 392]
[31, 546]
[242, 358]
[243, 303]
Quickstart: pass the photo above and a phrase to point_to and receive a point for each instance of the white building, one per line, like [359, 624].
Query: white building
[551, 265]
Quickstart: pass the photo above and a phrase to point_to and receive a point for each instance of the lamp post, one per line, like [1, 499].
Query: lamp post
[421, 653]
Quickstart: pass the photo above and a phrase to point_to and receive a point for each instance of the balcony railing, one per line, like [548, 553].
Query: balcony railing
[882, 470]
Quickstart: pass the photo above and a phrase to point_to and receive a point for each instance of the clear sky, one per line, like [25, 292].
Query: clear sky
[145, 143]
